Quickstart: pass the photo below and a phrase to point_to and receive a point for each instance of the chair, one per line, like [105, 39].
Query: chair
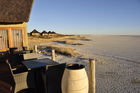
[7, 83]
[19, 78]
[53, 78]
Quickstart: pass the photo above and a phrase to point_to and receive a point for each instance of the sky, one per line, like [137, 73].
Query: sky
[115, 17]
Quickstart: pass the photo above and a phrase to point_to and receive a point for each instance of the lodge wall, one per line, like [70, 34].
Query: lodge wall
[14, 35]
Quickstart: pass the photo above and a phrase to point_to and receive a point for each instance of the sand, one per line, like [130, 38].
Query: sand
[118, 62]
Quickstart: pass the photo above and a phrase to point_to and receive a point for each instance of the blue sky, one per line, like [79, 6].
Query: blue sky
[86, 16]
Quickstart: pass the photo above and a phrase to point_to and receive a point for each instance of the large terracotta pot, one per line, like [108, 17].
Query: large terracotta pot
[75, 79]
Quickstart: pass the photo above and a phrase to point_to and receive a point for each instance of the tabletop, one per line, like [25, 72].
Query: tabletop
[36, 63]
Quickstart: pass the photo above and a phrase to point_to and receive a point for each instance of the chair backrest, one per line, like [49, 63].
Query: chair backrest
[21, 81]
[14, 60]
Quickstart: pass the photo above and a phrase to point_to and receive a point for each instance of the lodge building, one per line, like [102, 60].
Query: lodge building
[14, 15]
[35, 33]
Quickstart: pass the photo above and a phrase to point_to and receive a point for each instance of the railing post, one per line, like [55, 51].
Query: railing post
[92, 73]
[36, 48]
[53, 55]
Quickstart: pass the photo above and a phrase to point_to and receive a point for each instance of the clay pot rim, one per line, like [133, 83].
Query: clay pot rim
[75, 66]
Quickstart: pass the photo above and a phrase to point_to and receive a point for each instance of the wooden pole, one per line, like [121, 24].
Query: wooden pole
[53, 54]
[92, 73]
[10, 38]
[36, 48]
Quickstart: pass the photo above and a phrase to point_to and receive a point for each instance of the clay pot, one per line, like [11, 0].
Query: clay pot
[75, 79]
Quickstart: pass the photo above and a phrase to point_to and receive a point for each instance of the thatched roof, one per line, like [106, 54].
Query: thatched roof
[35, 31]
[15, 11]
[44, 32]
[51, 32]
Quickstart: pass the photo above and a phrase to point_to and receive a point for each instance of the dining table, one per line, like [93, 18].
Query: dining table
[44, 75]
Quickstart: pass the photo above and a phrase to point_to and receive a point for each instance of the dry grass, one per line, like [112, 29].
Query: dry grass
[67, 39]
[64, 39]
[65, 42]
[67, 51]
[83, 38]
[69, 42]
[39, 40]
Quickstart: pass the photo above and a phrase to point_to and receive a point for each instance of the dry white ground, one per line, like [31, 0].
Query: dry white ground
[118, 62]
[118, 65]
